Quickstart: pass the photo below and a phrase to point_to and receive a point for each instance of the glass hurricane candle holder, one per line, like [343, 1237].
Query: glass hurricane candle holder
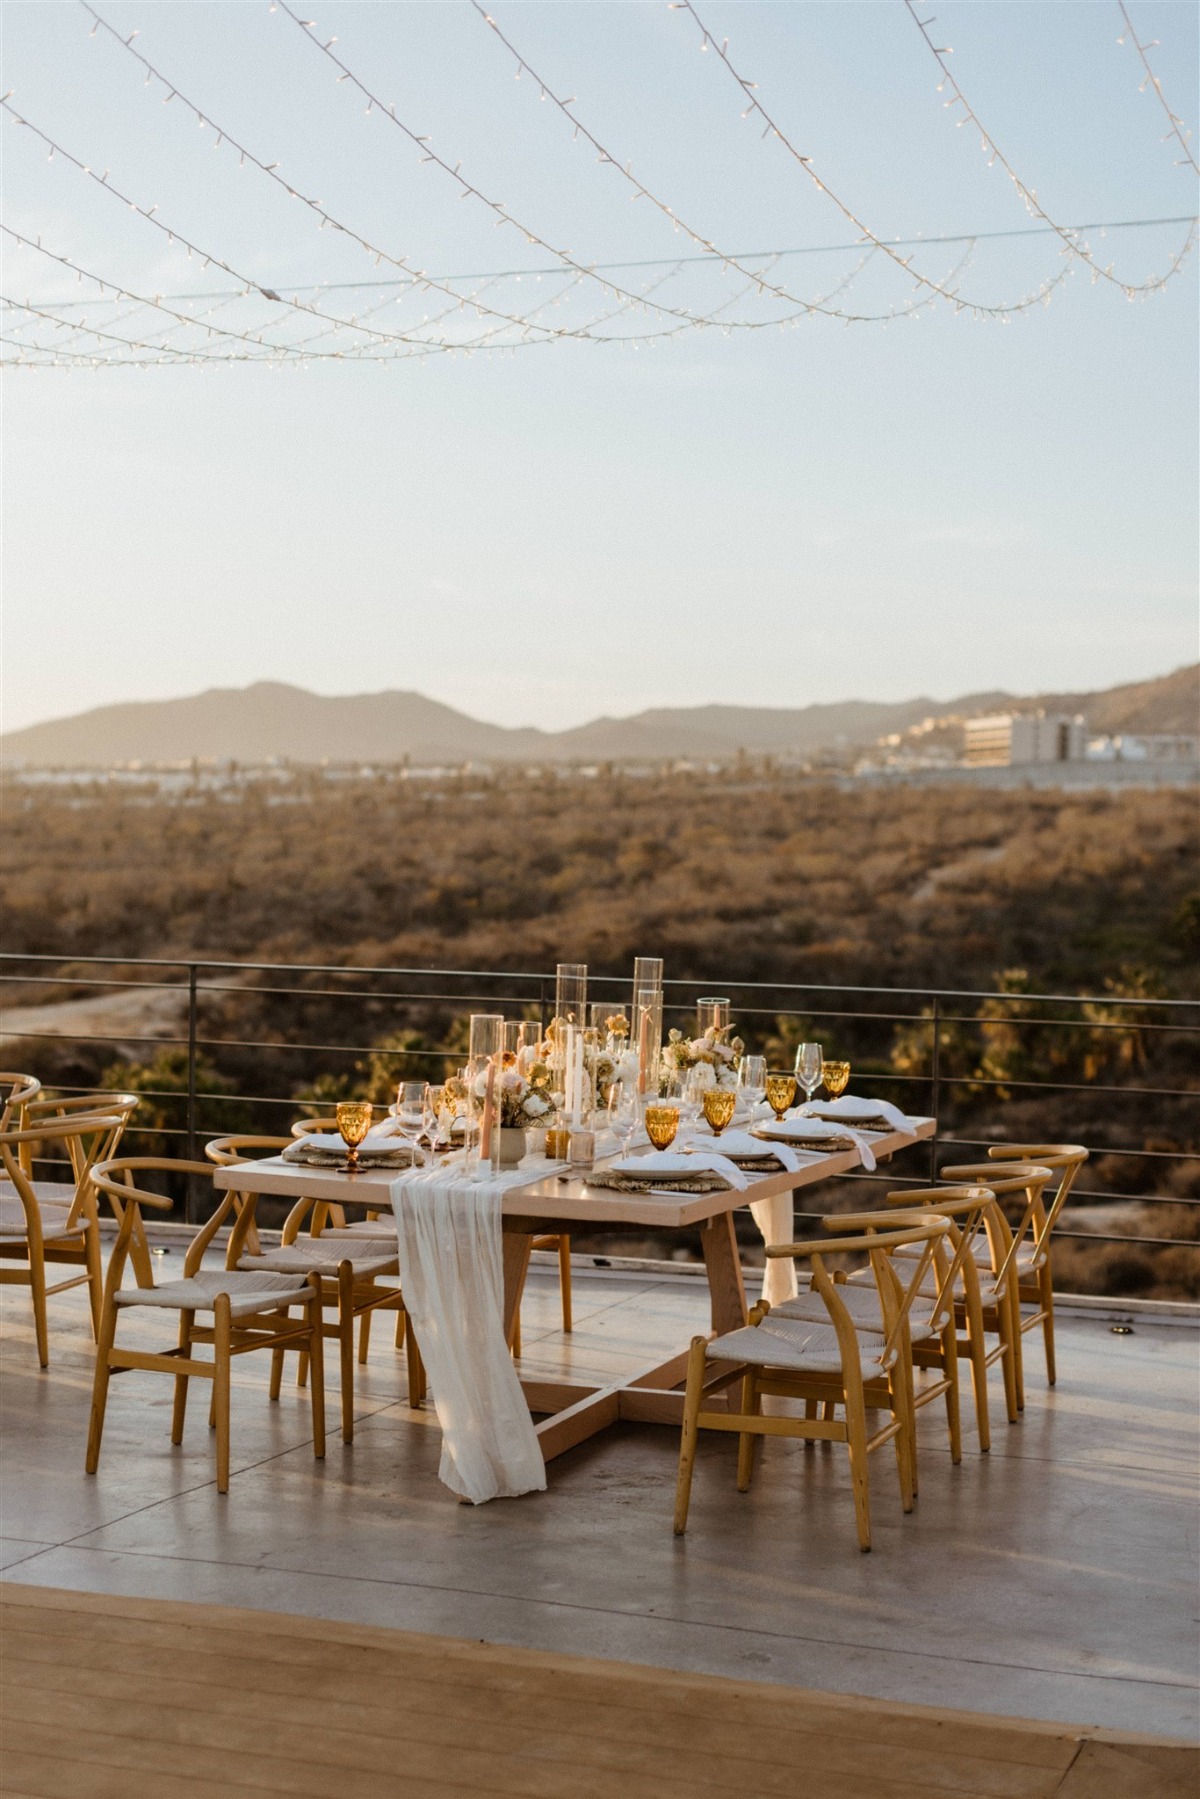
[485, 1063]
[712, 1015]
[646, 1020]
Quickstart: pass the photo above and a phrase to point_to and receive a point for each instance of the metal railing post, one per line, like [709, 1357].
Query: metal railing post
[190, 1206]
[936, 1074]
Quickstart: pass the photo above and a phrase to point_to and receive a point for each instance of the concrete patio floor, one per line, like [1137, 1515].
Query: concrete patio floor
[1053, 1579]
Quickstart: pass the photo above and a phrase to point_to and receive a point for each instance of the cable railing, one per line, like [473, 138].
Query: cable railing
[256, 1035]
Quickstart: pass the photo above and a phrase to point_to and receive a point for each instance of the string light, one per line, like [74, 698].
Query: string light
[1177, 128]
[1075, 245]
[209, 257]
[501, 212]
[978, 308]
[642, 192]
[271, 169]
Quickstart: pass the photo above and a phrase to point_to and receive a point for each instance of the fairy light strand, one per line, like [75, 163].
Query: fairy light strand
[271, 170]
[641, 191]
[1177, 129]
[209, 257]
[978, 308]
[1075, 246]
[469, 190]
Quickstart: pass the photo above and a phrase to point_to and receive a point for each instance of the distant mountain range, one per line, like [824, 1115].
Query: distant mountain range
[271, 720]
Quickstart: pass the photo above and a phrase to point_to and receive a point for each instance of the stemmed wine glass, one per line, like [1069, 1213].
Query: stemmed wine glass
[623, 1113]
[752, 1079]
[836, 1076]
[431, 1114]
[693, 1097]
[780, 1089]
[719, 1105]
[353, 1122]
[410, 1117]
[808, 1068]
[662, 1122]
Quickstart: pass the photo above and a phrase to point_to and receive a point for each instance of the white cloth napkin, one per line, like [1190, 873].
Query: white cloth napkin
[804, 1126]
[701, 1161]
[452, 1275]
[850, 1106]
[741, 1143]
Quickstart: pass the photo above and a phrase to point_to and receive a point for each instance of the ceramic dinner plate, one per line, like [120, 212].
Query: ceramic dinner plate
[790, 1128]
[660, 1161]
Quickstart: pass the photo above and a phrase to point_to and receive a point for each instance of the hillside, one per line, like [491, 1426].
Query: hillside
[273, 720]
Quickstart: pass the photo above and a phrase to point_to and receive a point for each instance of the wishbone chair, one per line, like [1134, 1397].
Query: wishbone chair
[833, 1363]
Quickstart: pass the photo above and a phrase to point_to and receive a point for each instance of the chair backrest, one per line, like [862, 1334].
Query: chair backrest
[895, 1294]
[90, 1138]
[48, 1109]
[116, 1178]
[1028, 1178]
[964, 1210]
[307, 1127]
[21, 1088]
[227, 1152]
[1064, 1159]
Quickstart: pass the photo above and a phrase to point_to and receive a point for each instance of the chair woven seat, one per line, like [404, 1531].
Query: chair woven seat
[862, 1303]
[14, 1226]
[247, 1292]
[812, 1348]
[48, 1192]
[324, 1255]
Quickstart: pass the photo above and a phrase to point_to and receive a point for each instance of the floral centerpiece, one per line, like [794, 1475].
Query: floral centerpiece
[523, 1100]
[607, 1057]
[713, 1058]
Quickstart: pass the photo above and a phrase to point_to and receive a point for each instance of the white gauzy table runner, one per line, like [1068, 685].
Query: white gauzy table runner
[452, 1276]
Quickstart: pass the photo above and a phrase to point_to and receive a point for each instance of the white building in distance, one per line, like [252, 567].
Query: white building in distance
[1007, 738]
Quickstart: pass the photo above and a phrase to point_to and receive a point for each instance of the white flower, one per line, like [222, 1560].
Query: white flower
[536, 1106]
[628, 1066]
[704, 1075]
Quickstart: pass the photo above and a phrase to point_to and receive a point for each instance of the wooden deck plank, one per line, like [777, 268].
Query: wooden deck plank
[611, 1737]
[134, 1697]
[285, 1659]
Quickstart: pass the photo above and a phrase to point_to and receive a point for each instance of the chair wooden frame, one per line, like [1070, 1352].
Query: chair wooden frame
[1035, 1280]
[352, 1295]
[50, 1107]
[845, 1387]
[276, 1330]
[21, 1089]
[1004, 1317]
[90, 1138]
[937, 1352]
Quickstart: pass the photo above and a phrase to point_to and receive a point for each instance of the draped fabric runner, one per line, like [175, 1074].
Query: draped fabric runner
[452, 1273]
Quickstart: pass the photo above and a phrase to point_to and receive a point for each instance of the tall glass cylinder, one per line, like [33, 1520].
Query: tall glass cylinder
[646, 1020]
[484, 1064]
[712, 1014]
[570, 1023]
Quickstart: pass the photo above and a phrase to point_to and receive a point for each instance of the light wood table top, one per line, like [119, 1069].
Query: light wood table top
[567, 1197]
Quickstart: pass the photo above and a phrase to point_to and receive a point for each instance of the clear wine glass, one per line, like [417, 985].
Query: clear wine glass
[410, 1117]
[808, 1068]
[694, 1088]
[431, 1114]
[624, 1113]
[752, 1080]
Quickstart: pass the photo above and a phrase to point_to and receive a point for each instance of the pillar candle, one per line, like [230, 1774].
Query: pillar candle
[489, 1110]
[644, 1050]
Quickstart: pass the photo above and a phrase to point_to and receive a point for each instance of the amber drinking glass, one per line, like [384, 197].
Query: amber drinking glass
[662, 1122]
[836, 1076]
[353, 1121]
[781, 1093]
[719, 1103]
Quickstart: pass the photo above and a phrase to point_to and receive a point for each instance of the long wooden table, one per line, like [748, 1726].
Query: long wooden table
[572, 1411]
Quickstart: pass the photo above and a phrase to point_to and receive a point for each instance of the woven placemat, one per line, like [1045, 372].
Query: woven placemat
[678, 1183]
[822, 1143]
[322, 1158]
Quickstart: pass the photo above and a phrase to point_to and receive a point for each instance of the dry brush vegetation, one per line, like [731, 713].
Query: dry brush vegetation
[747, 876]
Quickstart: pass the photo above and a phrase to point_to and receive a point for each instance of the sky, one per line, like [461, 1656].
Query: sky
[756, 516]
